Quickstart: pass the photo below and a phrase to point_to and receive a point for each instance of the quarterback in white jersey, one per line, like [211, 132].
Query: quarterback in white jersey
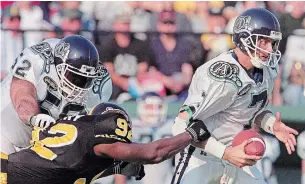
[229, 94]
[52, 79]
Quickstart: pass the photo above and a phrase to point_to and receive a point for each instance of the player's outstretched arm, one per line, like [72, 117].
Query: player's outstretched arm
[157, 151]
[24, 98]
[150, 153]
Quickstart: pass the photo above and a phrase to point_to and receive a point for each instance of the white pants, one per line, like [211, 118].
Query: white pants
[192, 166]
[14, 133]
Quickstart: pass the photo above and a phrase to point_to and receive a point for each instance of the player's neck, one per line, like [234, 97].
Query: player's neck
[243, 59]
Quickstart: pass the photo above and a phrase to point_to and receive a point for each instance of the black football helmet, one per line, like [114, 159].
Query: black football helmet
[76, 60]
[104, 108]
[252, 25]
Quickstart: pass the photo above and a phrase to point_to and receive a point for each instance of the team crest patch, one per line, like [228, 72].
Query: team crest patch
[222, 70]
[50, 83]
[62, 50]
[244, 90]
[44, 50]
[242, 23]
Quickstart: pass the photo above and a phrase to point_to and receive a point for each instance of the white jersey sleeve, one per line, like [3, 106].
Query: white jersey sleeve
[210, 91]
[32, 62]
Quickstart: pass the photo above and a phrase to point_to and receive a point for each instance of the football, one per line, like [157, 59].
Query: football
[256, 147]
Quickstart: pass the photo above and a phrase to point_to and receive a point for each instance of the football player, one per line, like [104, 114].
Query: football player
[85, 148]
[54, 78]
[153, 124]
[229, 93]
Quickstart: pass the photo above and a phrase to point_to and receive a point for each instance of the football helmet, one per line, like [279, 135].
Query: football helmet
[76, 60]
[253, 25]
[104, 108]
[152, 109]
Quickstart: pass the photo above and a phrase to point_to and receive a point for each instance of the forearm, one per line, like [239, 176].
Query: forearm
[24, 99]
[167, 148]
[149, 153]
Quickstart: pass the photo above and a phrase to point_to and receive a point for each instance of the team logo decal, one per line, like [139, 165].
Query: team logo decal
[62, 50]
[51, 83]
[244, 90]
[225, 71]
[241, 23]
[101, 70]
[44, 50]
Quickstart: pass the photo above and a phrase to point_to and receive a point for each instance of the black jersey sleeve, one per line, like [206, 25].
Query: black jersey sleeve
[110, 128]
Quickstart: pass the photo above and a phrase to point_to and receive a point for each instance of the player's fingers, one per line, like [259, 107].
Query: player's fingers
[245, 142]
[278, 117]
[291, 145]
[288, 148]
[253, 157]
[292, 138]
[292, 131]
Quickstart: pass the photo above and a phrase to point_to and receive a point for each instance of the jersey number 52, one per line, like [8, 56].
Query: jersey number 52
[42, 147]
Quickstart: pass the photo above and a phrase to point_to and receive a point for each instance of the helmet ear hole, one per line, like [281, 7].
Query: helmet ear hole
[242, 35]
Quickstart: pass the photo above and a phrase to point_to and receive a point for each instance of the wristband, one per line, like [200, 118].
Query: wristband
[268, 122]
[215, 148]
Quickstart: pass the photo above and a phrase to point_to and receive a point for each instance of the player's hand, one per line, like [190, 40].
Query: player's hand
[237, 156]
[42, 121]
[284, 133]
[198, 131]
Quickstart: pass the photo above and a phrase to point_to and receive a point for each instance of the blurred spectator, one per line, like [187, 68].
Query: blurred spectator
[182, 22]
[11, 41]
[123, 55]
[140, 19]
[31, 19]
[104, 12]
[70, 17]
[171, 55]
[199, 18]
[276, 7]
[294, 92]
[291, 20]
[71, 22]
[293, 78]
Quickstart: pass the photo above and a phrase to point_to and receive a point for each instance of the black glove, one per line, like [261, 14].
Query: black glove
[197, 130]
[132, 169]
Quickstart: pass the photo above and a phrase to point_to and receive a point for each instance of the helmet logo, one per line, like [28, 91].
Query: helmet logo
[242, 23]
[62, 50]
[89, 70]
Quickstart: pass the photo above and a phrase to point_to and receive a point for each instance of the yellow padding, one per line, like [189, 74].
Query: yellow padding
[3, 178]
[4, 156]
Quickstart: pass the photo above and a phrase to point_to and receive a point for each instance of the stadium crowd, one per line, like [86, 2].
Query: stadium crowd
[155, 46]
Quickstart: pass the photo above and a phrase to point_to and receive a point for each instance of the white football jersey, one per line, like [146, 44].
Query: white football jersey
[36, 65]
[226, 98]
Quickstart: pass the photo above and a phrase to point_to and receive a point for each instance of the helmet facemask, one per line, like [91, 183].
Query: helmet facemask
[74, 83]
[252, 48]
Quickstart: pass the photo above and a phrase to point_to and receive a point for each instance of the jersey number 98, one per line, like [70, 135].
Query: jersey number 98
[122, 129]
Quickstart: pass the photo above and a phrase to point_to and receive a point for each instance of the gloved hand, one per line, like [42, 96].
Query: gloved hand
[42, 121]
[132, 169]
[197, 130]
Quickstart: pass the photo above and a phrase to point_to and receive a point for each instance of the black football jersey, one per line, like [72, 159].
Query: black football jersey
[64, 152]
